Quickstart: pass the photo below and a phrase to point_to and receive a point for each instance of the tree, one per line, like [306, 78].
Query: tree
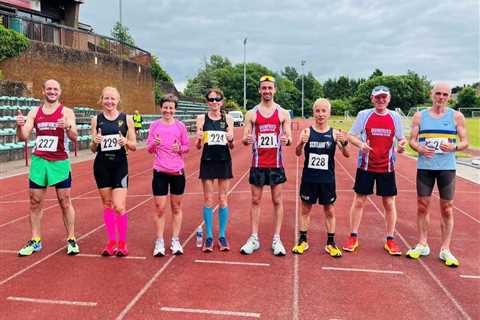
[12, 43]
[158, 73]
[467, 98]
[120, 32]
[290, 73]
[376, 73]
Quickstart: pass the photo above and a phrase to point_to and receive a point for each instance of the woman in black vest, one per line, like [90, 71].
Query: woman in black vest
[215, 135]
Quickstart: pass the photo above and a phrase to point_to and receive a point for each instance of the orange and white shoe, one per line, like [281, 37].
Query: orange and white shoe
[392, 248]
[351, 245]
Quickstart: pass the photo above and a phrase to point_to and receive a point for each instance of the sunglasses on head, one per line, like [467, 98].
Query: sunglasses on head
[267, 78]
[441, 94]
[215, 99]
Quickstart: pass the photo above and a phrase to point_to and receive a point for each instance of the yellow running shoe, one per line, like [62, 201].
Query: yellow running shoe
[333, 251]
[449, 259]
[300, 248]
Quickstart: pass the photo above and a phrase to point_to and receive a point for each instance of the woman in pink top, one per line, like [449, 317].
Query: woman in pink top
[168, 140]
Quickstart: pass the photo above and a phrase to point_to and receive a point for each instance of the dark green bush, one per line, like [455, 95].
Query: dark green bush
[12, 43]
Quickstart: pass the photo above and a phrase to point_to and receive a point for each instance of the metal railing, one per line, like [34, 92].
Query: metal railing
[73, 38]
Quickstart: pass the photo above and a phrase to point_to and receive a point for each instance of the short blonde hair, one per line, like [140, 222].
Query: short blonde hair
[320, 101]
[112, 89]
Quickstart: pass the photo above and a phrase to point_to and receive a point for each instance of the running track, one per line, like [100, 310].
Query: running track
[367, 284]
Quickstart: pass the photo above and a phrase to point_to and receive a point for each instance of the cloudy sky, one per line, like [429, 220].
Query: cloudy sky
[438, 39]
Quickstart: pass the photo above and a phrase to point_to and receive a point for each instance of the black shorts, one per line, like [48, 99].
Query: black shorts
[162, 180]
[216, 170]
[445, 183]
[385, 181]
[65, 184]
[110, 173]
[266, 176]
[324, 193]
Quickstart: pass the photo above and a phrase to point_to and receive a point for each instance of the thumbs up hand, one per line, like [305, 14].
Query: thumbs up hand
[176, 146]
[157, 140]
[20, 118]
[121, 140]
[98, 137]
[61, 122]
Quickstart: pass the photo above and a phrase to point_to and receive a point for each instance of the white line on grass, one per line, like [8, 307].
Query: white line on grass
[149, 283]
[214, 312]
[256, 264]
[361, 270]
[47, 301]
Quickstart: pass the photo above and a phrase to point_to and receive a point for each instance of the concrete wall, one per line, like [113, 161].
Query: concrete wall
[82, 76]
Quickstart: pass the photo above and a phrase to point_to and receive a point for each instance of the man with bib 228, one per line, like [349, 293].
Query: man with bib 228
[50, 165]
[373, 132]
[433, 136]
[267, 129]
[113, 134]
[319, 142]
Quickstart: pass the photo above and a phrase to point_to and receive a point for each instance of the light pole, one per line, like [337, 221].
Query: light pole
[120, 1]
[303, 94]
[245, 73]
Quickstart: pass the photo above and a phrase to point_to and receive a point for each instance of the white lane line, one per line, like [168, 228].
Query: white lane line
[296, 276]
[361, 270]
[89, 255]
[256, 264]
[215, 312]
[436, 196]
[429, 271]
[47, 301]
[23, 201]
[469, 277]
[149, 283]
[8, 251]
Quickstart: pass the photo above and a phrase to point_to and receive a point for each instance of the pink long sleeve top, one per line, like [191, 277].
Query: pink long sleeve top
[166, 160]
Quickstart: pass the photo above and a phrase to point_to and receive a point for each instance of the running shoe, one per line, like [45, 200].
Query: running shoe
[250, 246]
[333, 251]
[31, 247]
[223, 244]
[449, 259]
[159, 250]
[392, 248]
[122, 250]
[110, 249]
[208, 245]
[72, 247]
[278, 248]
[300, 248]
[419, 250]
[176, 247]
[351, 245]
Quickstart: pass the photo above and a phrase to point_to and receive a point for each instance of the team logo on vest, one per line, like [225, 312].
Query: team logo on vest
[223, 124]
[120, 123]
[47, 125]
[381, 132]
[320, 144]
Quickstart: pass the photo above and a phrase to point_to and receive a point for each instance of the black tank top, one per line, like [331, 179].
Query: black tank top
[109, 147]
[319, 165]
[215, 145]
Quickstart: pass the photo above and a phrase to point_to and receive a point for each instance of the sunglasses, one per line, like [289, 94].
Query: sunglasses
[267, 78]
[441, 94]
[215, 99]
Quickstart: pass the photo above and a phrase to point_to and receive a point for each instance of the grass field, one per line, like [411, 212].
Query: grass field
[473, 131]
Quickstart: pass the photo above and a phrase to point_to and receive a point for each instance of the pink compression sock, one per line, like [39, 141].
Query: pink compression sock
[122, 225]
[109, 219]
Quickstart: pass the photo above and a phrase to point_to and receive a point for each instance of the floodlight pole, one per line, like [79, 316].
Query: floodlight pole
[303, 91]
[245, 73]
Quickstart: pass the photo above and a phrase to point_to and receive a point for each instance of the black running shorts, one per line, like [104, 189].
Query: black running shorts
[110, 173]
[385, 181]
[266, 176]
[445, 183]
[162, 181]
[324, 193]
[216, 170]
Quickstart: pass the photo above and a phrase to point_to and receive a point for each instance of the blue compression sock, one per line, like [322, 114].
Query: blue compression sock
[223, 220]
[208, 218]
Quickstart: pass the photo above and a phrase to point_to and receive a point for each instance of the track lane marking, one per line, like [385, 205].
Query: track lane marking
[48, 301]
[90, 255]
[362, 270]
[469, 276]
[256, 264]
[296, 276]
[214, 312]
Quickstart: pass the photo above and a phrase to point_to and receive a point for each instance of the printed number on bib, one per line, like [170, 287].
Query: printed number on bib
[267, 140]
[46, 143]
[318, 161]
[434, 143]
[110, 142]
[216, 138]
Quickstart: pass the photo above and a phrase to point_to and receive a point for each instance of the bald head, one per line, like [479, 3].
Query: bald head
[51, 83]
[441, 86]
[51, 91]
[440, 94]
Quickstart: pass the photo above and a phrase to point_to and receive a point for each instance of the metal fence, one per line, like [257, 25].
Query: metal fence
[73, 38]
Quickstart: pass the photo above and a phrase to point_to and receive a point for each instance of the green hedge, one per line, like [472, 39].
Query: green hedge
[12, 43]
